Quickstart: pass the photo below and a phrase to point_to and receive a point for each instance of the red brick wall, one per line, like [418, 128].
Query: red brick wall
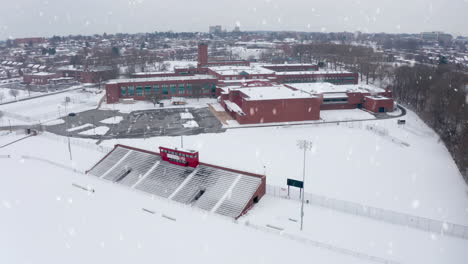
[285, 110]
[373, 105]
[112, 93]
[202, 54]
[337, 106]
[356, 98]
[38, 79]
[113, 90]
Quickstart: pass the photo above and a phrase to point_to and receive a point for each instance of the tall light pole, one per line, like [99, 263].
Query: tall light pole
[68, 136]
[304, 145]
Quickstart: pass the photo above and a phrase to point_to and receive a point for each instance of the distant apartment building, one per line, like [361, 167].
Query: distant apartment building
[39, 78]
[93, 74]
[436, 36]
[215, 29]
[29, 41]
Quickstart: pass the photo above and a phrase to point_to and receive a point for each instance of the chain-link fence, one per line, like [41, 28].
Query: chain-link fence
[323, 245]
[422, 223]
[77, 142]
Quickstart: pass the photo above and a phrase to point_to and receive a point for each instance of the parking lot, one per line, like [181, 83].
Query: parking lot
[106, 124]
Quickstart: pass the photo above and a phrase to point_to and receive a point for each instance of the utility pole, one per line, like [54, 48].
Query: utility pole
[68, 137]
[304, 145]
[181, 141]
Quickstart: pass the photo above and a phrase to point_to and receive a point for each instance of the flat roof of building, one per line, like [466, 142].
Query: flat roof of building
[155, 72]
[325, 87]
[378, 97]
[41, 74]
[292, 65]
[310, 72]
[274, 92]
[237, 70]
[161, 79]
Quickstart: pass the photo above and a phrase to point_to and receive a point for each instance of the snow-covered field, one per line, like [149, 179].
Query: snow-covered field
[377, 163]
[50, 107]
[5, 95]
[345, 114]
[363, 162]
[44, 219]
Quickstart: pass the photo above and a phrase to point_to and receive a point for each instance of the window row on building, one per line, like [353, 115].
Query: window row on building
[167, 89]
[245, 77]
[321, 79]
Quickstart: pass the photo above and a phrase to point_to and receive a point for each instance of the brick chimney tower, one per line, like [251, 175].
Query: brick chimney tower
[202, 54]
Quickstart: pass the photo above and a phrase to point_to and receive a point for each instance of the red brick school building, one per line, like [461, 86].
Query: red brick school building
[257, 93]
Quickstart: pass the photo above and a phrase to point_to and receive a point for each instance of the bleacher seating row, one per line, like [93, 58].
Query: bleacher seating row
[209, 188]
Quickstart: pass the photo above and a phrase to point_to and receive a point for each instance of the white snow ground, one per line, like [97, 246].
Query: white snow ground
[50, 107]
[110, 225]
[348, 162]
[5, 95]
[44, 219]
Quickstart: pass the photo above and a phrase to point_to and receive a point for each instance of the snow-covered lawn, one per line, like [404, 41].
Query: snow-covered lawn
[5, 95]
[398, 243]
[345, 114]
[41, 212]
[348, 162]
[44, 219]
[51, 107]
[100, 130]
[112, 120]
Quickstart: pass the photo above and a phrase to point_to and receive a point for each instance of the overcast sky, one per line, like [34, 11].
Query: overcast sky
[26, 18]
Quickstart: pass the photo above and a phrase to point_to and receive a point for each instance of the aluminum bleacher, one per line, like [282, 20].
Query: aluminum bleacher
[211, 188]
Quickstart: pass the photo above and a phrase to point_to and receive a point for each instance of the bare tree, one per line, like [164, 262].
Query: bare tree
[28, 88]
[153, 97]
[14, 93]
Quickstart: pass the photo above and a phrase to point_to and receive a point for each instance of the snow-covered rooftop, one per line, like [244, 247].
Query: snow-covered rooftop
[236, 70]
[325, 87]
[374, 97]
[156, 79]
[156, 72]
[271, 92]
[42, 74]
[310, 72]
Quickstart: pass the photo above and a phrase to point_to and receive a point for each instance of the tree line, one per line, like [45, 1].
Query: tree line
[437, 93]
